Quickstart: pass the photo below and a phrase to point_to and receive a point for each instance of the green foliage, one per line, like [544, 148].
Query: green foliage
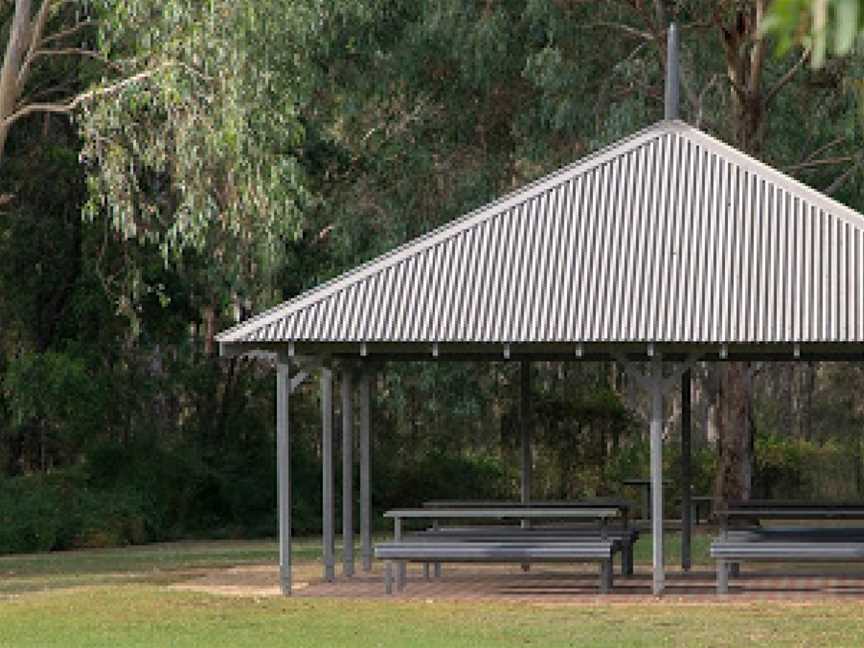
[202, 154]
[585, 429]
[440, 475]
[54, 389]
[270, 146]
[30, 515]
[817, 24]
[47, 512]
[790, 468]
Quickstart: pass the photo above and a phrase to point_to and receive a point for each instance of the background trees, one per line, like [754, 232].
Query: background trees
[227, 155]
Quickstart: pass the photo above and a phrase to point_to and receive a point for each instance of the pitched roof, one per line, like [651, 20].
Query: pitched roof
[668, 235]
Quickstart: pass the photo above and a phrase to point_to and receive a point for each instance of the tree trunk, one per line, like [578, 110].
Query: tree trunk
[735, 467]
[744, 49]
[16, 49]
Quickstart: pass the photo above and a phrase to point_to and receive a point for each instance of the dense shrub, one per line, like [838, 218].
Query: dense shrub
[32, 517]
[140, 492]
[440, 475]
[59, 511]
[792, 467]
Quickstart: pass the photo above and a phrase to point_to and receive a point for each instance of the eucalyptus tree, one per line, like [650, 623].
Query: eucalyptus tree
[38, 33]
[202, 159]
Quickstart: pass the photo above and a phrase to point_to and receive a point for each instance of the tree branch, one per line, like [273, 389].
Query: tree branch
[700, 113]
[633, 31]
[822, 149]
[834, 186]
[68, 32]
[695, 100]
[740, 90]
[75, 102]
[660, 14]
[757, 53]
[37, 30]
[77, 51]
[786, 78]
[823, 162]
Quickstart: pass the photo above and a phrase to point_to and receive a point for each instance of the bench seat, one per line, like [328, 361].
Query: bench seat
[733, 550]
[626, 538]
[510, 551]
[797, 534]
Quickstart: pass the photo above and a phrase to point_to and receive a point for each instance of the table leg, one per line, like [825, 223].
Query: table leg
[722, 577]
[388, 577]
[401, 570]
[605, 576]
[402, 575]
[436, 568]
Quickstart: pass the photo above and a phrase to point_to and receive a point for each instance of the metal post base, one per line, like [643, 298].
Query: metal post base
[388, 577]
[722, 577]
[606, 576]
[401, 575]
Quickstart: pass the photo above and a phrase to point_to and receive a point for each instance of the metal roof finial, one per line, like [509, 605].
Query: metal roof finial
[672, 78]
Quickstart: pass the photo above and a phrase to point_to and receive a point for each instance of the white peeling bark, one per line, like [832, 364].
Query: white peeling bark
[16, 49]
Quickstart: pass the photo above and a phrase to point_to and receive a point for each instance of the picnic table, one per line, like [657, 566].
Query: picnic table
[507, 547]
[623, 506]
[750, 541]
[625, 534]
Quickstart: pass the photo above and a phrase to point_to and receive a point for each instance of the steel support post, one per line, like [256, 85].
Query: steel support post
[347, 389]
[365, 483]
[656, 390]
[525, 431]
[283, 470]
[327, 486]
[686, 473]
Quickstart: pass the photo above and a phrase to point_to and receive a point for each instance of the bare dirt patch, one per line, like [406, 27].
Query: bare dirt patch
[246, 580]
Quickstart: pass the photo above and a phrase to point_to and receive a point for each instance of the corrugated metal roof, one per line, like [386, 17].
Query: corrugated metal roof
[666, 236]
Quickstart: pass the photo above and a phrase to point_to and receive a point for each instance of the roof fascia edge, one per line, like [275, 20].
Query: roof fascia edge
[769, 173]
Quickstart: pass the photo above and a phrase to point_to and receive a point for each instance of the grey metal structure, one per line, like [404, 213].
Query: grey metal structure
[328, 479]
[671, 101]
[686, 472]
[513, 551]
[668, 245]
[365, 476]
[347, 390]
[668, 237]
[525, 433]
[283, 469]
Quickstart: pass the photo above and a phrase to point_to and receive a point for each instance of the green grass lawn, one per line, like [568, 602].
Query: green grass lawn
[119, 598]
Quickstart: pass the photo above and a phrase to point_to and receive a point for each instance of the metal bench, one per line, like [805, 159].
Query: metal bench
[736, 550]
[797, 534]
[625, 538]
[785, 544]
[424, 551]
